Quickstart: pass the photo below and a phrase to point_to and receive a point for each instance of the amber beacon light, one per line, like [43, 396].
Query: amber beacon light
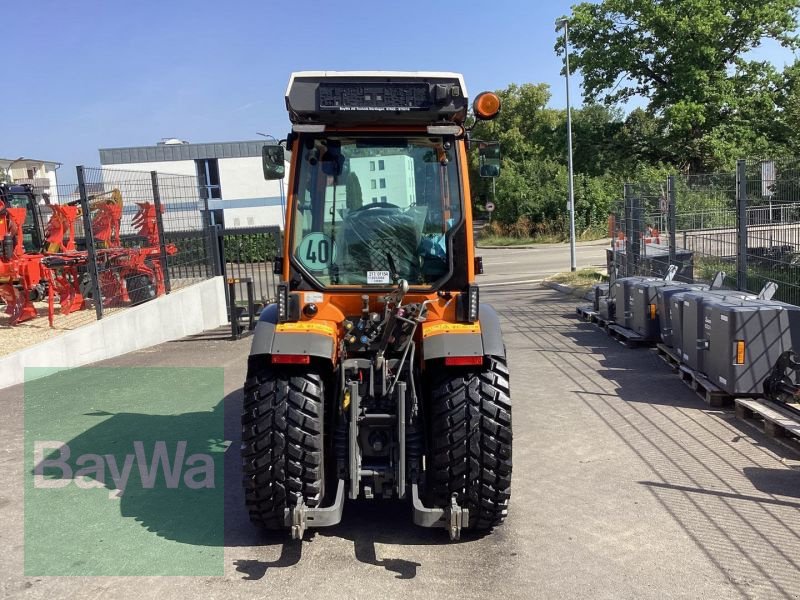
[486, 106]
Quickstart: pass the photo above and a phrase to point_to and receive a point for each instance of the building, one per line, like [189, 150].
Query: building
[41, 174]
[381, 174]
[230, 176]
[388, 178]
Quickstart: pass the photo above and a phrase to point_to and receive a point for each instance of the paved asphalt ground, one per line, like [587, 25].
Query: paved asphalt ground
[625, 485]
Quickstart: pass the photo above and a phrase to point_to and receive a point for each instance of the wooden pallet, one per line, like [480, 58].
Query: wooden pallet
[669, 356]
[776, 421]
[708, 392]
[626, 336]
[586, 313]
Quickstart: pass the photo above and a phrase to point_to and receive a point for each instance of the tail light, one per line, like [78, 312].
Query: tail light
[463, 361]
[291, 359]
[652, 312]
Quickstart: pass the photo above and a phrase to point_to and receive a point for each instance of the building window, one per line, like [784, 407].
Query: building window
[372, 184]
[383, 198]
[383, 183]
[374, 199]
[380, 165]
[372, 165]
[208, 174]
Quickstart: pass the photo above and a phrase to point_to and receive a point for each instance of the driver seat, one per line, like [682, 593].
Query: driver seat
[371, 235]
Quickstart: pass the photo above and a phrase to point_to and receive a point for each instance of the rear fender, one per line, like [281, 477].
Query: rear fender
[486, 342]
[270, 337]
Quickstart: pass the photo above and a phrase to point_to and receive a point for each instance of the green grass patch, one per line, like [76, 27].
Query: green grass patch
[581, 280]
[506, 240]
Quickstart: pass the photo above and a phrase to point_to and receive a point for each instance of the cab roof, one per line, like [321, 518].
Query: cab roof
[376, 97]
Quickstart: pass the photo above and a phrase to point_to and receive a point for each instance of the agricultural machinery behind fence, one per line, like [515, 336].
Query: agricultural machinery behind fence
[43, 263]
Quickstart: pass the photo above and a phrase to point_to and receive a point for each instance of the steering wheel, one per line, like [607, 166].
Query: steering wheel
[375, 205]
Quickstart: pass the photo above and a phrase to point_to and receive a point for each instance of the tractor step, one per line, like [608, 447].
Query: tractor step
[453, 518]
[301, 516]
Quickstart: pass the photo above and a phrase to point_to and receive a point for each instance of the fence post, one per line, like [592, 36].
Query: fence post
[628, 216]
[162, 245]
[741, 224]
[91, 251]
[671, 218]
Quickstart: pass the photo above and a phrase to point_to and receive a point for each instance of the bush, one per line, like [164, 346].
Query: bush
[250, 247]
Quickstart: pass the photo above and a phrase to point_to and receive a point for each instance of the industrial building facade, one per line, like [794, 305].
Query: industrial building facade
[230, 176]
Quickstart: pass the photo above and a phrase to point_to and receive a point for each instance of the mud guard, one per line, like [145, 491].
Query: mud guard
[489, 342]
[266, 340]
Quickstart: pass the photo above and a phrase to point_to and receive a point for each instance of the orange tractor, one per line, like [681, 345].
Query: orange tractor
[378, 373]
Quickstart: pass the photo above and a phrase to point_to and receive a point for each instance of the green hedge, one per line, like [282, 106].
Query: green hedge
[250, 247]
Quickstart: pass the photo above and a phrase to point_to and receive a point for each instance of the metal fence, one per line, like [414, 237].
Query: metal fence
[248, 254]
[745, 223]
[119, 238]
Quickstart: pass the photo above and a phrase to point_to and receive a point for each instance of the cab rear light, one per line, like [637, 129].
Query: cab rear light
[463, 361]
[291, 359]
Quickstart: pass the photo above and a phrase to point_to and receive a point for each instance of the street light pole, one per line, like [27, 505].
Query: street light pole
[572, 261]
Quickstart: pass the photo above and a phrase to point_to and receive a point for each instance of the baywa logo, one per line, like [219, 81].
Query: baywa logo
[124, 472]
[92, 470]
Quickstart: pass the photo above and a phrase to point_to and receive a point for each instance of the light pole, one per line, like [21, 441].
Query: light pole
[572, 263]
[11, 164]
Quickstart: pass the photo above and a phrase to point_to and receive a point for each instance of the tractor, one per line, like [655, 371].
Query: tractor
[378, 373]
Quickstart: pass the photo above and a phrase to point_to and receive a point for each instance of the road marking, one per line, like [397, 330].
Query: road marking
[484, 285]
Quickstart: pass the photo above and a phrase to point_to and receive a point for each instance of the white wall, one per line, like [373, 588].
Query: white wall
[172, 167]
[269, 216]
[187, 311]
[242, 178]
[239, 178]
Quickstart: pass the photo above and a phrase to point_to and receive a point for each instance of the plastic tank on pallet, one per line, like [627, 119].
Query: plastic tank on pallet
[664, 301]
[689, 315]
[647, 314]
[599, 291]
[745, 340]
[623, 290]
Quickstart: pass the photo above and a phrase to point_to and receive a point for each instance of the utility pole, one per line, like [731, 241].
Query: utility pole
[572, 260]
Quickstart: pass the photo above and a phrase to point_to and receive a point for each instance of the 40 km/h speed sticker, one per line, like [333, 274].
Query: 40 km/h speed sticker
[317, 251]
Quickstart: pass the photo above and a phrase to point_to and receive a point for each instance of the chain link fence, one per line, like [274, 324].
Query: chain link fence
[745, 224]
[112, 240]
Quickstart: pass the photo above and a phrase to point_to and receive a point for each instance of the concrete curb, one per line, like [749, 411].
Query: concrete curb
[567, 289]
[187, 311]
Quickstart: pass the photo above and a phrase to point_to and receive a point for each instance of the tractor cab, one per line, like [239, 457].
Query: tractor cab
[378, 323]
[23, 197]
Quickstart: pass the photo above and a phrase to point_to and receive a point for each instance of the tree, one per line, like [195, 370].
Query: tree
[685, 57]
[353, 192]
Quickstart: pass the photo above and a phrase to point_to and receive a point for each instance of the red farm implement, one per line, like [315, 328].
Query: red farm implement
[126, 274]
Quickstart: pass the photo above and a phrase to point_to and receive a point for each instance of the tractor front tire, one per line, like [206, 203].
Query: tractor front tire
[282, 443]
[470, 441]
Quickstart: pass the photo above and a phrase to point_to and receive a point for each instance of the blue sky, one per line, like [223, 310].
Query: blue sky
[87, 74]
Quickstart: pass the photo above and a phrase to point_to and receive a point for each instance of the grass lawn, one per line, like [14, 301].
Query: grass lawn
[581, 280]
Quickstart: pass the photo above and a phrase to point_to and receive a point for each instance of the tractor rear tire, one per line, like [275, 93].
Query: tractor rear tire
[469, 452]
[282, 443]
